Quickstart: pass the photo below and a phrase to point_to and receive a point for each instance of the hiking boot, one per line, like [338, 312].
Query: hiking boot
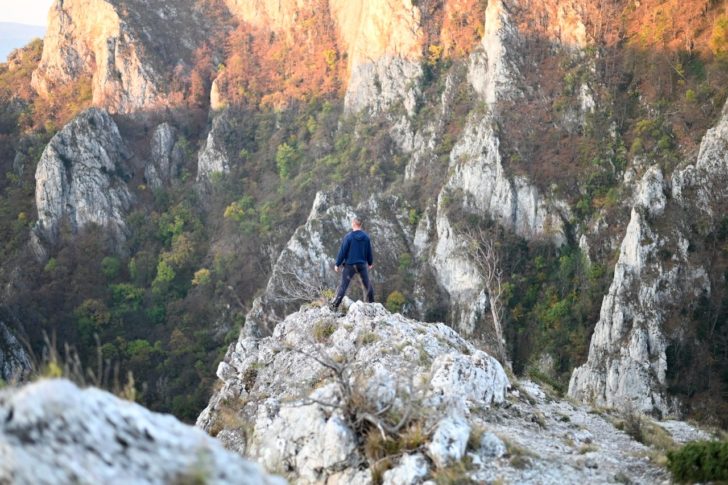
[334, 305]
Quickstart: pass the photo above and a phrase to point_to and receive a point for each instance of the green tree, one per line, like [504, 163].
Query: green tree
[165, 276]
[110, 267]
[286, 159]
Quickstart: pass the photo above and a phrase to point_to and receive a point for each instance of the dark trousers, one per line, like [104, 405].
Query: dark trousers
[348, 272]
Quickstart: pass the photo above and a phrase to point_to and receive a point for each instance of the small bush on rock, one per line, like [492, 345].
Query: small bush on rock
[323, 329]
[456, 474]
[700, 461]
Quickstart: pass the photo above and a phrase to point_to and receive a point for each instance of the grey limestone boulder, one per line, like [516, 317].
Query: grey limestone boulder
[52, 432]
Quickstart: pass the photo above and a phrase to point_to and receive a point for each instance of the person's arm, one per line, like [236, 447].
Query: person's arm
[343, 250]
[370, 256]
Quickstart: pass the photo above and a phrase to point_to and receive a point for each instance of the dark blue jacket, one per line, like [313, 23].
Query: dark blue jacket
[355, 248]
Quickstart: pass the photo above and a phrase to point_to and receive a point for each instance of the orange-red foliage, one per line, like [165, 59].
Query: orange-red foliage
[270, 68]
[462, 26]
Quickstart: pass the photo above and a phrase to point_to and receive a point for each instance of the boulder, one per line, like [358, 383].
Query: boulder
[53, 432]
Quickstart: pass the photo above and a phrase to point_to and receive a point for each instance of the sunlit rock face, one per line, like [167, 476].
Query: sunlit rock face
[126, 50]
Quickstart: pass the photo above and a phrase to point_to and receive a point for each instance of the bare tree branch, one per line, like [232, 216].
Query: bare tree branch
[486, 254]
[292, 287]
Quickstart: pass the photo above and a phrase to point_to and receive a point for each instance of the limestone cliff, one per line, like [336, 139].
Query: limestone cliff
[477, 181]
[128, 48]
[15, 362]
[81, 180]
[53, 432]
[381, 39]
[213, 157]
[166, 157]
[656, 272]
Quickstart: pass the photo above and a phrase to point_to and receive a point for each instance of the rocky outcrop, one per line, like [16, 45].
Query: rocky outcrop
[702, 186]
[380, 84]
[305, 265]
[485, 187]
[166, 157]
[213, 157]
[477, 182]
[654, 276]
[301, 417]
[493, 68]
[15, 362]
[286, 401]
[127, 49]
[81, 179]
[627, 361]
[53, 432]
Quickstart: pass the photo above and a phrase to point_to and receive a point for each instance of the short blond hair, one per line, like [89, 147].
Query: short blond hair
[356, 221]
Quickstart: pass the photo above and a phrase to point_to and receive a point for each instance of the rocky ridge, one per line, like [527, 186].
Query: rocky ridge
[283, 405]
[53, 432]
[301, 418]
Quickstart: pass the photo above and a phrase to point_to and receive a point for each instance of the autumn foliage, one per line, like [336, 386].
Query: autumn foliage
[462, 26]
[270, 68]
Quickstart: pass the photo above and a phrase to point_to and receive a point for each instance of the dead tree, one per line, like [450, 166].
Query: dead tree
[486, 253]
[293, 287]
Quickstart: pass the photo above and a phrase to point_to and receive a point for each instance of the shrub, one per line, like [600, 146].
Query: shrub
[126, 297]
[110, 267]
[286, 158]
[405, 262]
[700, 461]
[51, 265]
[202, 277]
[165, 276]
[719, 37]
[90, 316]
[455, 474]
[414, 217]
[323, 329]
[395, 301]
[367, 338]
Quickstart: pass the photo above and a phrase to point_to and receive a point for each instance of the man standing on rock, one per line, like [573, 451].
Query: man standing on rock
[355, 255]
